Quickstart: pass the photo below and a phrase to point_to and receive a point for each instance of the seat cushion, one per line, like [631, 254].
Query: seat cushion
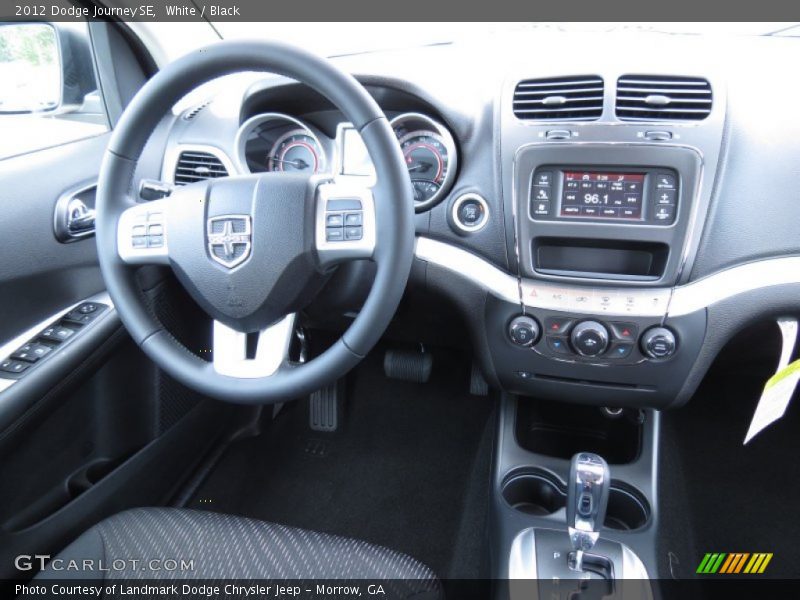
[223, 546]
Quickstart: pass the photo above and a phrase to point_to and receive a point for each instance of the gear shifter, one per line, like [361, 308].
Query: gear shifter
[587, 499]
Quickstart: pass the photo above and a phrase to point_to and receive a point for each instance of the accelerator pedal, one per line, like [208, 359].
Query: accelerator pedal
[408, 365]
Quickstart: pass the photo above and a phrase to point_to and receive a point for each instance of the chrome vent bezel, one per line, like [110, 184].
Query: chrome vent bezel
[205, 166]
[564, 98]
[648, 98]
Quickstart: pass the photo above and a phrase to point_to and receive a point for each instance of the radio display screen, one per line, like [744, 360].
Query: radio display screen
[610, 195]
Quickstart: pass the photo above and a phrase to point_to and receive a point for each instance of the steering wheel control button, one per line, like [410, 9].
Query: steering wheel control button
[558, 345]
[626, 332]
[334, 220]
[470, 213]
[523, 331]
[13, 366]
[659, 342]
[57, 333]
[353, 233]
[557, 325]
[353, 219]
[139, 241]
[334, 234]
[589, 338]
[620, 350]
[32, 352]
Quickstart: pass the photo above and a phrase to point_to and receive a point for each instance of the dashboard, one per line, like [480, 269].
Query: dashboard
[603, 226]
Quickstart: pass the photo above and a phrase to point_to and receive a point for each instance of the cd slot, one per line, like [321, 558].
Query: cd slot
[600, 259]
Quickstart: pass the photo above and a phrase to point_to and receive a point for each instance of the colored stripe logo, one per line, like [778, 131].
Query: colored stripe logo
[734, 563]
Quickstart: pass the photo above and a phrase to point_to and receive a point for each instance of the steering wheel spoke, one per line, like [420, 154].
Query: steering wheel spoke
[142, 234]
[235, 355]
[345, 227]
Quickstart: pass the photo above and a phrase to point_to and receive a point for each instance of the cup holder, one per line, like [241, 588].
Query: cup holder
[540, 494]
[534, 494]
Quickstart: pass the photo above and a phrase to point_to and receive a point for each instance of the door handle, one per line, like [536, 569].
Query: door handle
[75, 214]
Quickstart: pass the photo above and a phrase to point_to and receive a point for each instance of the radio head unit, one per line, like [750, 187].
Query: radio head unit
[625, 195]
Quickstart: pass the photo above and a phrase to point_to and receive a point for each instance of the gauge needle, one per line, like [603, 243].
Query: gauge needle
[420, 167]
[299, 163]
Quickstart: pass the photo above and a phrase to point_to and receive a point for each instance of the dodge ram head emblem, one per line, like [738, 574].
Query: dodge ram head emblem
[230, 238]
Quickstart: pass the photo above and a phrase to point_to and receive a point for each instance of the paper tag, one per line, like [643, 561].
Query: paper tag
[774, 399]
[780, 387]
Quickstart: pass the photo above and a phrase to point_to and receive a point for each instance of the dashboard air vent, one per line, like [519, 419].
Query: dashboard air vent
[663, 98]
[196, 166]
[577, 98]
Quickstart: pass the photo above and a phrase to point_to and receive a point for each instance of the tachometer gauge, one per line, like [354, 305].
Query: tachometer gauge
[427, 161]
[430, 156]
[296, 151]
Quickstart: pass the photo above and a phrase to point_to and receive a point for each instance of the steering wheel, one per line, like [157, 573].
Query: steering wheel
[253, 250]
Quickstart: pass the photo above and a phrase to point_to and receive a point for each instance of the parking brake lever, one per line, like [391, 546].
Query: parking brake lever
[587, 500]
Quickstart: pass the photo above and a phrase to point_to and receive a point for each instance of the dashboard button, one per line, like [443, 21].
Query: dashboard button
[541, 208]
[590, 211]
[624, 331]
[610, 211]
[523, 331]
[540, 194]
[664, 213]
[659, 342]
[543, 179]
[557, 325]
[666, 197]
[666, 181]
[558, 345]
[630, 213]
[589, 338]
[620, 350]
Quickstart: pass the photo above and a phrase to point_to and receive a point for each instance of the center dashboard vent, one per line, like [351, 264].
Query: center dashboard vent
[196, 166]
[578, 98]
[663, 98]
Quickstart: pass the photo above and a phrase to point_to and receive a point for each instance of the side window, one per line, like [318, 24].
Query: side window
[49, 93]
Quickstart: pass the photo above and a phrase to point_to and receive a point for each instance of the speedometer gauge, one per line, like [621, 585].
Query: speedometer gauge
[429, 153]
[296, 151]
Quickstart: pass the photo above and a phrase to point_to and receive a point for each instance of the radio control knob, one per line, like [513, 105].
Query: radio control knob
[589, 338]
[658, 342]
[524, 331]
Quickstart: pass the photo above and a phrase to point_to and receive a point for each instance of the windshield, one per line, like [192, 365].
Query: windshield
[334, 39]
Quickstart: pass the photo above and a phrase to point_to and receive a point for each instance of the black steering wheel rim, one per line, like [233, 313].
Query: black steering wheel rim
[394, 211]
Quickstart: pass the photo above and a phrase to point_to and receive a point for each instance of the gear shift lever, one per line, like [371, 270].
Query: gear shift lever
[587, 499]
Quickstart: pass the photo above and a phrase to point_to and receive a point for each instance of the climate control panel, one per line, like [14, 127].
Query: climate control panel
[578, 338]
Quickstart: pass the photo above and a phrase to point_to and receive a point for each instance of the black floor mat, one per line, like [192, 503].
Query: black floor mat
[406, 464]
[737, 498]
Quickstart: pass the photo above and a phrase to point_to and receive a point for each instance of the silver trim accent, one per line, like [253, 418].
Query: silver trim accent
[143, 215]
[457, 204]
[450, 146]
[173, 153]
[230, 350]
[240, 141]
[8, 348]
[332, 252]
[469, 266]
[522, 560]
[633, 568]
[731, 282]
[644, 302]
[62, 218]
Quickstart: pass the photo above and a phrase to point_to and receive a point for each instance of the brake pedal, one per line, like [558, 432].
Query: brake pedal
[408, 365]
[324, 407]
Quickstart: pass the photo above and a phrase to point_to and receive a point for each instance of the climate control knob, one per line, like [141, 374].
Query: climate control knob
[589, 338]
[524, 331]
[658, 342]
